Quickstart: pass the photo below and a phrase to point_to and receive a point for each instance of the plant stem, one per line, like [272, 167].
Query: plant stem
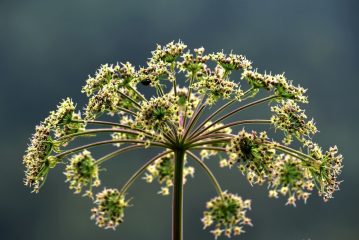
[117, 152]
[213, 115]
[251, 121]
[209, 148]
[193, 135]
[292, 151]
[99, 130]
[209, 172]
[141, 170]
[129, 98]
[177, 203]
[188, 99]
[76, 149]
[138, 93]
[212, 141]
[193, 121]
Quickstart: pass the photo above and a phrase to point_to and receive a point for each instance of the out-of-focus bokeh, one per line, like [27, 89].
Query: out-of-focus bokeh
[47, 49]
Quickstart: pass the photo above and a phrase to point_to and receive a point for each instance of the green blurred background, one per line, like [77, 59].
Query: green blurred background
[47, 49]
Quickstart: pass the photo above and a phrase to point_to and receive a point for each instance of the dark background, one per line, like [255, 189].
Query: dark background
[47, 49]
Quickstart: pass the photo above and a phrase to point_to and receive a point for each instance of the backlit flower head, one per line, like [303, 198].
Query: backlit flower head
[82, 171]
[168, 53]
[155, 113]
[285, 89]
[194, 65]
[290, 177]
[258, 80]
[104, 75]
[64, 120]
[253, 155]
[326, 169]
[227, 214]
[185, 104]
[36, 160]
[289, 118]
[110, 209]
[217, 85]
[154, 73]
[231, 61]
[111, 98]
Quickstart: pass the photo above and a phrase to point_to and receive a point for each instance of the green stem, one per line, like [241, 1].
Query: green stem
[213, 115]
[102, 123]
[218, 140]
[127, 111]
[188, 99]
[252, 121]
[138, 93]
[107, 142]
[177, 202]
[140, 171]
[292, 151]
[100, 130]
[193, 121]
[209, 172]
[232, 113]
[174, 83]
[160, 90]
[129, 98]
[117, 152]
[211, 137]
[209, 148]
[120, 125]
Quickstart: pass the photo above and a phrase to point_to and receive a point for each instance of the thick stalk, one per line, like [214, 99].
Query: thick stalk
[177, 203]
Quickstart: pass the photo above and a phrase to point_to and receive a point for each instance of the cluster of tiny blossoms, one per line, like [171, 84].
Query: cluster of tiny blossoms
[253, 155]
[228, 214]
[82, 171]
[110, 208]
[327, 167]
[38, 160]
[277, 83]
[293, 175]
[156, 113]
[181, 87]
[291, 120]
[163, 170]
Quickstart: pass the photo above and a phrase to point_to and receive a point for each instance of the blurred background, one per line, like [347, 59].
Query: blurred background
[47, 49]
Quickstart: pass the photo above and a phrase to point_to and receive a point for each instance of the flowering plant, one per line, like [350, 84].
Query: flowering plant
[185, 86]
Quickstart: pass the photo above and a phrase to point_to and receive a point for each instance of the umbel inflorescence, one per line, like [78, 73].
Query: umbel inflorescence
[190, 98]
